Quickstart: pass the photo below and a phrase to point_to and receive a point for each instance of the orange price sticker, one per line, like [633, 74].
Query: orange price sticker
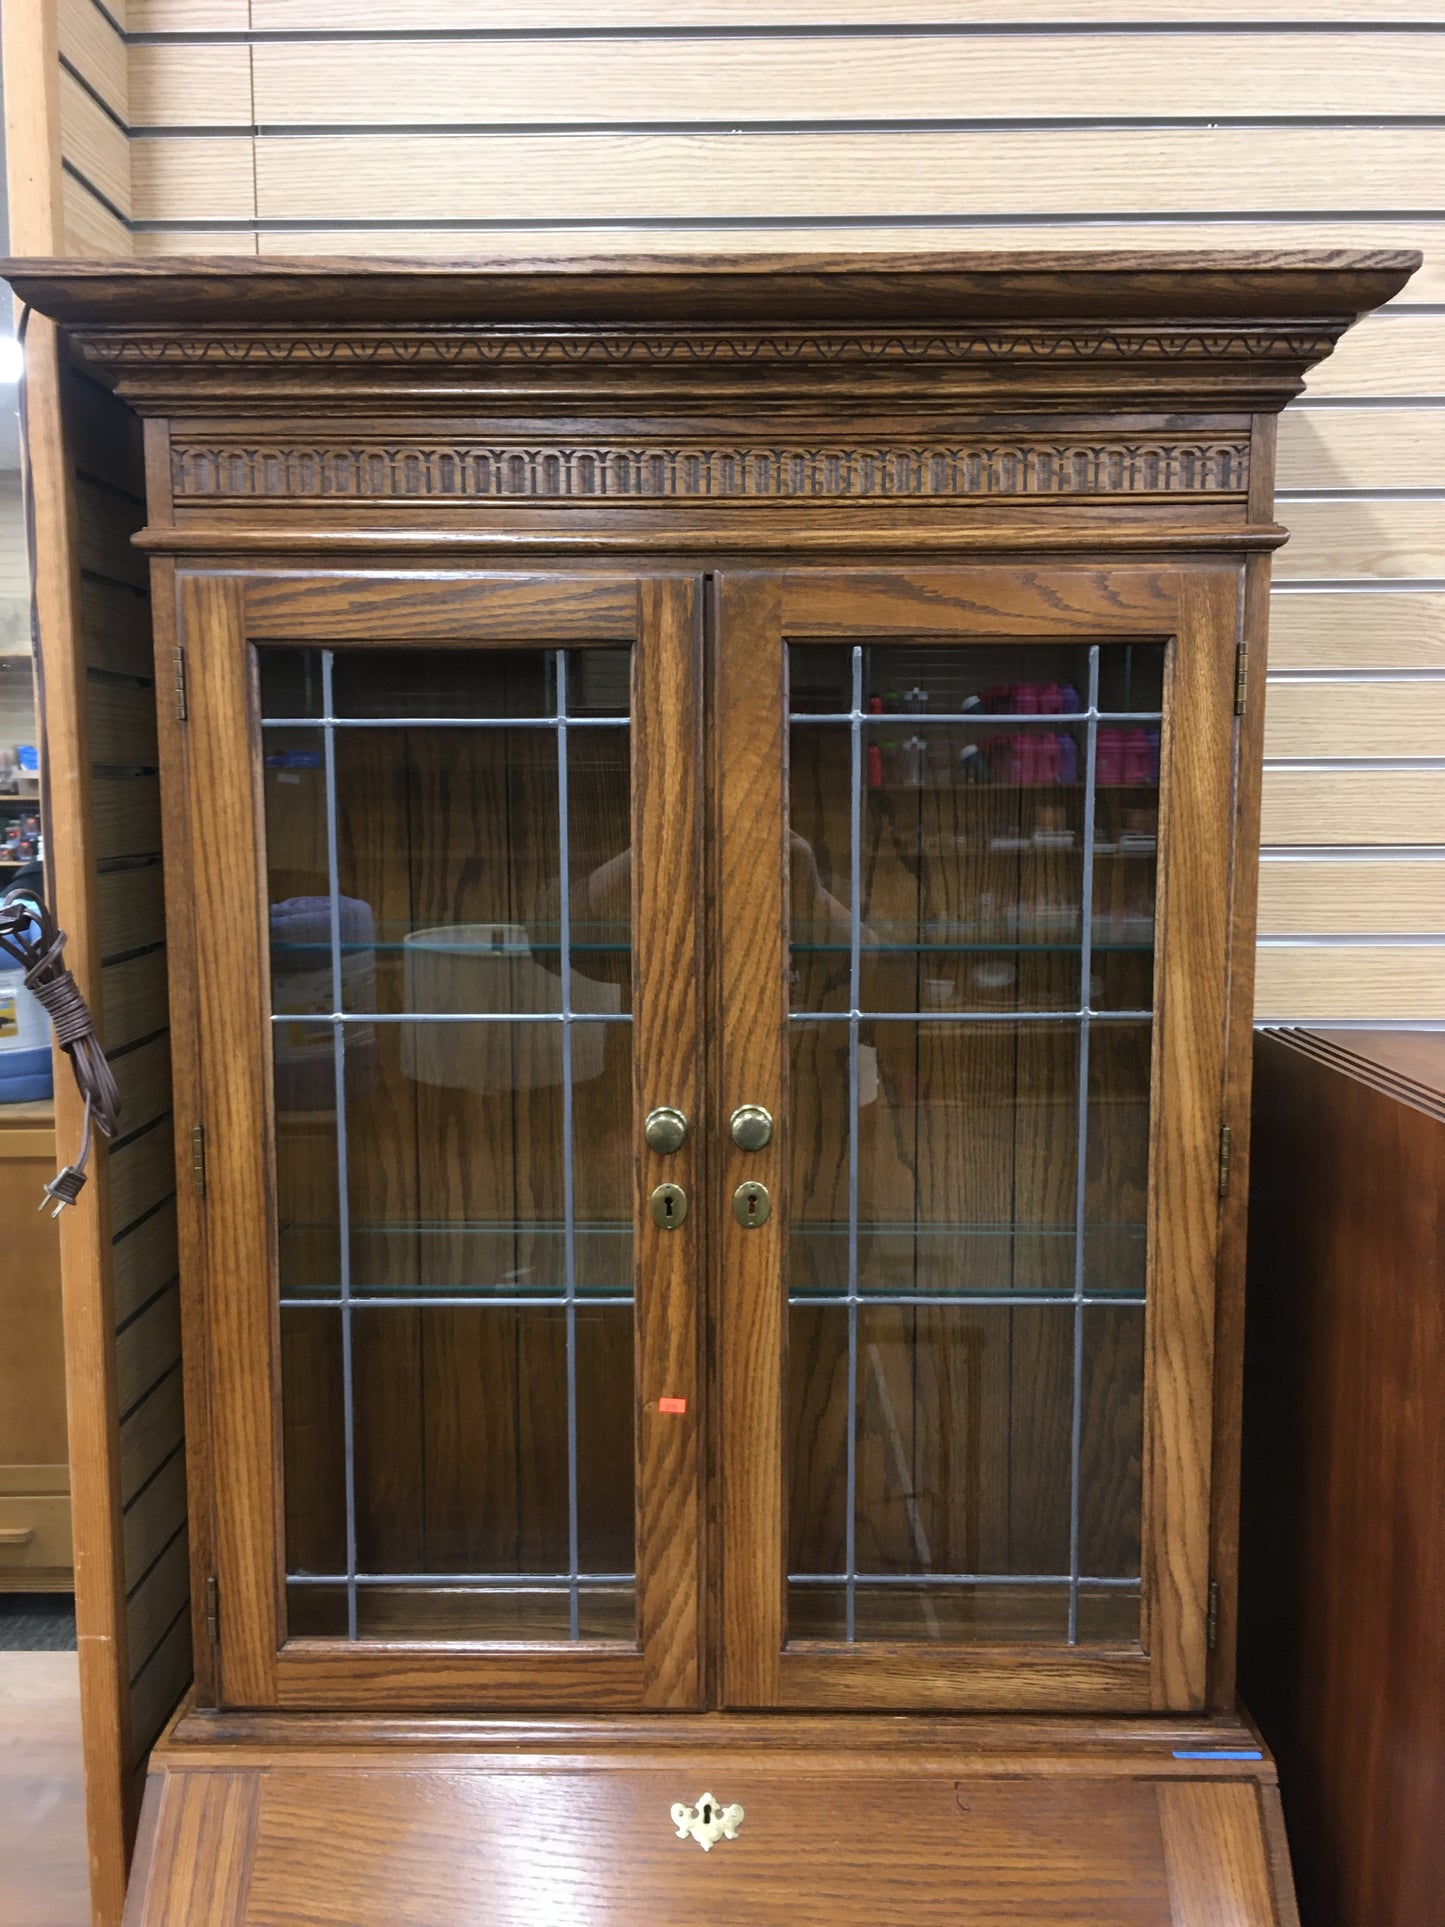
[672, 1405]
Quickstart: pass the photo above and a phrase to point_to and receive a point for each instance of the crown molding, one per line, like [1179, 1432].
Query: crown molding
[1193, 331]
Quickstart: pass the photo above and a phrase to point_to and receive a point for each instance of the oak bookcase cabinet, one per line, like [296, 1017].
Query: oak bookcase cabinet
[710, 833]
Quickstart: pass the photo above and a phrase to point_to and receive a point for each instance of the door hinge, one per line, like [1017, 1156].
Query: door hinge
[181, 710]
[1211, 1624]
[198, 1160]
[1241, 679]
[1226, 1143]
[213, 1609]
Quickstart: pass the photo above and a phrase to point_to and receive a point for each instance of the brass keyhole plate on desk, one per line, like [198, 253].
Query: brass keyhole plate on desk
[669, 1206]
[752, 1205]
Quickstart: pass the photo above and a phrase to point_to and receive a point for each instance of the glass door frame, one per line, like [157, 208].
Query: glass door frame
[220, 619]
[1195, 610]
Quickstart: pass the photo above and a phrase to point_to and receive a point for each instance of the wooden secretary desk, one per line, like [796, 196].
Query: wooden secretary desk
[711, 812]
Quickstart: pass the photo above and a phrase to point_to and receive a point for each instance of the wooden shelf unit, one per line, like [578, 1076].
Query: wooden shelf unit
[35, 1553]
[477, 615]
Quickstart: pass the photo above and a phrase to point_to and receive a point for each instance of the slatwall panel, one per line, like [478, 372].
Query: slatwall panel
[435, 126]
[105, 451]
[95, 142]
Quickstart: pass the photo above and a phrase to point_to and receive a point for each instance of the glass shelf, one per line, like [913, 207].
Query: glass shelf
[994, 787]
[1024, 947]
[920, 1228]
[399, 939]
[1021, 1297]
[420, 1263]
[429, 1298]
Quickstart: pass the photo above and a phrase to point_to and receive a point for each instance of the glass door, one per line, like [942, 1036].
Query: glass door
[971, 1338]
[476, 962]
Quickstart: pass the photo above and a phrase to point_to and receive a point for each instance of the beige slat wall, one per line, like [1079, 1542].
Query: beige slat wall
[105, 453]
[436, 126]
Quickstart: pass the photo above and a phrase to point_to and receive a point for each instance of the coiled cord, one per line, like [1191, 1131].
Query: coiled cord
[29, 934]
[30, 937]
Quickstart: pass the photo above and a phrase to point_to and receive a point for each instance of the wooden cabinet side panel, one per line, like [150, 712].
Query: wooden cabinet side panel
[1341, 1658]
[1239, 1019]
[223, 883]
[1185, 1151]
[186, 1087]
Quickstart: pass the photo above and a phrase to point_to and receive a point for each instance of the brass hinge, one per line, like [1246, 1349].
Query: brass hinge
[213, 1609]
[198, 1160]
[1241, 678]
[1226, 1140]
[181, 710]
[1212, 1619]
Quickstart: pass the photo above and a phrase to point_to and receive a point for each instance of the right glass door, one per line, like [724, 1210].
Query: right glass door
[991, 1435]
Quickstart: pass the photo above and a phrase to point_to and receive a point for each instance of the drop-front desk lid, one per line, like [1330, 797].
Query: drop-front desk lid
[695, 1822]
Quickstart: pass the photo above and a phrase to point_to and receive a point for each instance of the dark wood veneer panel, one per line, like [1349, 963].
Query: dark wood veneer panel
[1344, 1552]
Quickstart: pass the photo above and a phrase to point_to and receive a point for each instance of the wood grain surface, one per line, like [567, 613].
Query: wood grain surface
[799, 78]
[1152, 552]
[1314, 629]
[419, 1450]
[229, 963]
[339, 16]
[750, 1015]
[1344, 1550]
[667, 829]
[1320, 808]
[417, 178]
[420, 1842]
[1183, 1184]
[1189, 1065]
[36, 220]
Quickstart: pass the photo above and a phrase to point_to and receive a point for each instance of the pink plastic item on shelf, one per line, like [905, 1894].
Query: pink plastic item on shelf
[1137, 760]
[1109, 758]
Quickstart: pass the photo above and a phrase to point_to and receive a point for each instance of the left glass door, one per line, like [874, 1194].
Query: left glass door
[468, 1342]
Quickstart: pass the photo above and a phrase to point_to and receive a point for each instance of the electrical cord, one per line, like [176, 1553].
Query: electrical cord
[29, 933]
[30, 937]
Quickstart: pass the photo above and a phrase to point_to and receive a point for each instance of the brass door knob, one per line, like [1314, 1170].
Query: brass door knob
[751, 1127]
[665, 1129]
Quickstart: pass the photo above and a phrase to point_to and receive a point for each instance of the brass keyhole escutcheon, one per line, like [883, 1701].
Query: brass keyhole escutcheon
[751, 1205]
[669, 1206]
[665, 1129]
[708, 1822]
[751, 1126]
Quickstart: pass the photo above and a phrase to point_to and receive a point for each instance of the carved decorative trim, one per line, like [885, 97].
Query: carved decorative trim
[480, 346]
[214, 471]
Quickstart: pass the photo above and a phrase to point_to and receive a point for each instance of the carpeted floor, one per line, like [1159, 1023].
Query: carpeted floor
[37, 1622]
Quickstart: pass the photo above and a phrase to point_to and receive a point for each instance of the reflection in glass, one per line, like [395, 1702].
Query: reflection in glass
[972, 889]
[449, 871]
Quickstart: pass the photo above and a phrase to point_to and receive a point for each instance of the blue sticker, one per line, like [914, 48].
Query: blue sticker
[1217, 1753]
